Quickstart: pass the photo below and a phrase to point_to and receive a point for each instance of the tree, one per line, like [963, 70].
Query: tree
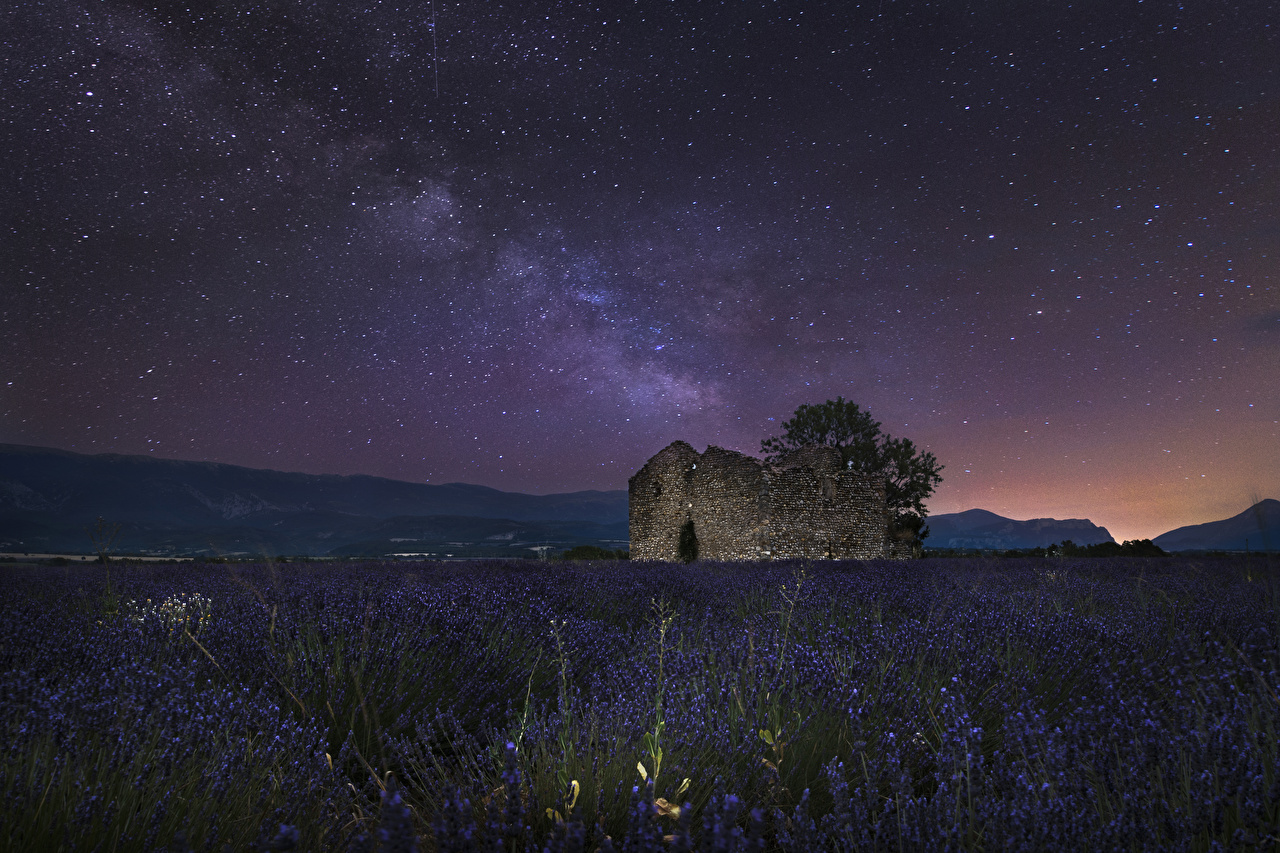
[909, 475]
[103, 535]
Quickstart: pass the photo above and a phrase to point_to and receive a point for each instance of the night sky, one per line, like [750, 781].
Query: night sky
[529, 245]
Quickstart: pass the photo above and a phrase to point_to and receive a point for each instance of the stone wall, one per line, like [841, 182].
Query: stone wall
[659, 502]
[806, 505]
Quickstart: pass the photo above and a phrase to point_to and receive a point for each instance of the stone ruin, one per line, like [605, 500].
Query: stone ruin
[807, 505]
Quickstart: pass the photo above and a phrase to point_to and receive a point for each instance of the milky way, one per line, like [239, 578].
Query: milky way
[475, 242]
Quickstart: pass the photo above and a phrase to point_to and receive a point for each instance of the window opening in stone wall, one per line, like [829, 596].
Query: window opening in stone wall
[828, 488]
[657, 490]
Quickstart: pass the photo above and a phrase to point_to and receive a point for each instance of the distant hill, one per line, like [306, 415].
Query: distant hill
[1257, 528]
[978, 528]
[48, 497]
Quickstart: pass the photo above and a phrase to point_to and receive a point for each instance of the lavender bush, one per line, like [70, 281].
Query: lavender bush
[1037, 704]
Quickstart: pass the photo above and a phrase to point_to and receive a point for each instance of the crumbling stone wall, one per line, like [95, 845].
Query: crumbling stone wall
[807, 505]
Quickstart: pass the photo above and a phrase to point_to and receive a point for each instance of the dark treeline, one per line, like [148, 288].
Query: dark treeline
[1129, 548]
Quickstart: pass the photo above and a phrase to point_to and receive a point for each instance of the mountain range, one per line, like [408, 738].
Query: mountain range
[50, 499]
[1255, 529]
[980, 529]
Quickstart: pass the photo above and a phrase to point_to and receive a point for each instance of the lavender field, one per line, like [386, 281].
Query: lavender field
[930, 705]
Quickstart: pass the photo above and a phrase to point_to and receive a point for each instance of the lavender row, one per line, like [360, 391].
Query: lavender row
[941, 704]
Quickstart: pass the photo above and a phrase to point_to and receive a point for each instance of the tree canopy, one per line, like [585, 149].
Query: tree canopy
[910, 476]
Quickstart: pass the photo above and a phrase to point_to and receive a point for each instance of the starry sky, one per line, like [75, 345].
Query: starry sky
[529, 245]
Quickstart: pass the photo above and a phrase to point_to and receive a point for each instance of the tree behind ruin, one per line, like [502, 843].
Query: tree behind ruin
[910, 476]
